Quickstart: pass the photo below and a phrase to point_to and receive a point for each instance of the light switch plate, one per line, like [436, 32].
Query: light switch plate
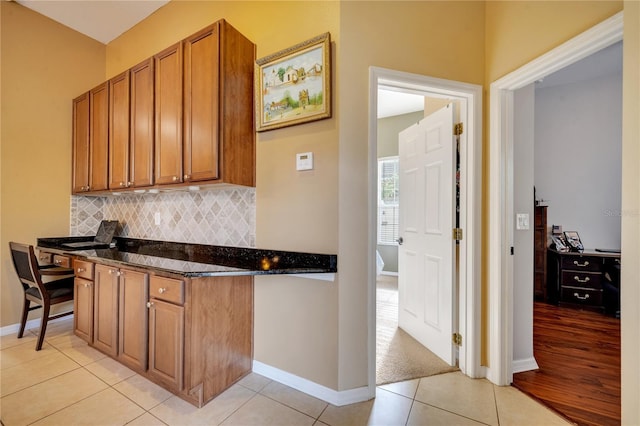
[304, 161]
[522, 221]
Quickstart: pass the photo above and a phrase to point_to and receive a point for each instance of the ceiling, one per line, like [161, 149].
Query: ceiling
[102, 20]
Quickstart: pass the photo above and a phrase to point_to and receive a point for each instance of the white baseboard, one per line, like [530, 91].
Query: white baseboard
[393, 274]
[316, 390]
[33, 323]
[520, 365]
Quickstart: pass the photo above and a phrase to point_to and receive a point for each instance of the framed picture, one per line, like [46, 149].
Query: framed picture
[293, 86]
[573, 241]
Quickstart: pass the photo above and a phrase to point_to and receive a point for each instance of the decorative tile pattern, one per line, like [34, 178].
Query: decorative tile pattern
[224, 217]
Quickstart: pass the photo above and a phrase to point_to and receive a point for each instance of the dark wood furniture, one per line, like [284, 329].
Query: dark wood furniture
[577, 279]
[42, 285]
[540, 253]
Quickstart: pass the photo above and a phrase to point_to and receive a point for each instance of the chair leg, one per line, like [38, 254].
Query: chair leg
[25, 313]
[43, 325]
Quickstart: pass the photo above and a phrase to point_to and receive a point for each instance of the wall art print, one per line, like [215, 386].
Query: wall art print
[293, 86]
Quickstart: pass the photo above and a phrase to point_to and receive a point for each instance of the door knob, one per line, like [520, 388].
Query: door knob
[400, 241]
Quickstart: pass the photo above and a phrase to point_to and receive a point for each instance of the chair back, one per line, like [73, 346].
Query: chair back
[26, 266]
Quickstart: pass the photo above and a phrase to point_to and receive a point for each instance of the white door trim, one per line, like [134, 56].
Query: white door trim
[500, 232]
[469, 307]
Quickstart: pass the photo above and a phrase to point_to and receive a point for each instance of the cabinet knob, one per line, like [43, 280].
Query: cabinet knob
[115, 271]
[162, 290]
[57, 261]
[81, 270]
[187, 177]
[175, 178]
[149, 304]
[87, 285]
[129, 184]
[121, 184]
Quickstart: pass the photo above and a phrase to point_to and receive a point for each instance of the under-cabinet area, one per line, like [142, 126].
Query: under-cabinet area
[182, 117]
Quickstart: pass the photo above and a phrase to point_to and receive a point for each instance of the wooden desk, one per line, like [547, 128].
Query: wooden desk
[577, 279]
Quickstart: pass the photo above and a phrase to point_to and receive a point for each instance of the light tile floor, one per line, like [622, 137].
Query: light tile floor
[69, 383]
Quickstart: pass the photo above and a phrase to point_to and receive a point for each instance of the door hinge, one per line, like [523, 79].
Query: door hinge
[457, 234]
[457, 339]
[458, 128]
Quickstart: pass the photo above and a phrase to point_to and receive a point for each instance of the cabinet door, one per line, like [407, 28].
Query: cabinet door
[83, 309]
[166, 343]
[201, 105]
[134, 294]
[142, 130]
[105, 318]
[168, 113]
[119, 131]
[80, 144]
[99, 137]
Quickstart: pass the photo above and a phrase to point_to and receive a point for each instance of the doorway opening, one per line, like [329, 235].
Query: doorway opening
[501, 175]
[468, 297]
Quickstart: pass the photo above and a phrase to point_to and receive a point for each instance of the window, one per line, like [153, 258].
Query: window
[388, 201]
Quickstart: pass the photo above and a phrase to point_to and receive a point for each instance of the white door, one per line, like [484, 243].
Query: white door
[427, 159]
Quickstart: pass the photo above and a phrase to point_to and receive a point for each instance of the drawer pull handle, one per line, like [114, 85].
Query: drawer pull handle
[57, 262]
[586, 263]
[577, 278]
[149, 304]
[162, 290]
[577, 296]
[81, 270]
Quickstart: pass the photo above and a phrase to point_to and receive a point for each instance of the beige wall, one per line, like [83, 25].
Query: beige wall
[630, 287]
[44, 66]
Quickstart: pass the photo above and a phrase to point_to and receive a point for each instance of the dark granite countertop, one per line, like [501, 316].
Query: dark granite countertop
[196, 260]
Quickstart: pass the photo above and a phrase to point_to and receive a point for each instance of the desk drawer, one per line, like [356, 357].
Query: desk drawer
[167, 289]
[582, 263]
[83, 269]
[63, 261]
[582, 279]
[581, 296]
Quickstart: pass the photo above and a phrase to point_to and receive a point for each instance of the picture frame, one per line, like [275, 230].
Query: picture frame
[293, 86]
[573, 241]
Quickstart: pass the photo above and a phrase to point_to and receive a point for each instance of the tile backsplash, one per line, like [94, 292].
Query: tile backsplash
[218, 217]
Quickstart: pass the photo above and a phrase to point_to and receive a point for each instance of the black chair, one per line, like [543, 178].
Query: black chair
[43, 285]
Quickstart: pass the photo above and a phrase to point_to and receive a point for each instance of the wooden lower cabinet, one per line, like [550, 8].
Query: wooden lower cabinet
[192, 336]
[166, 343]
[120, 315]
[132, 319]
[83, 300]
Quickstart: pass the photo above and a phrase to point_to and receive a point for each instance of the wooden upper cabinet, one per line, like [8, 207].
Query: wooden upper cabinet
[119, 131]
[168, 115]
[141, 127]
[80, 144]
[99, 137]
[219, 137]
[201, 98]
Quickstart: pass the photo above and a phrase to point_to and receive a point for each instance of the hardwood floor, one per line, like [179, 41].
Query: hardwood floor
[578, 353]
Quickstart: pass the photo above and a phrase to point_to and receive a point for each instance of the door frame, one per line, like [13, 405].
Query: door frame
[501, 174]
[469, 300]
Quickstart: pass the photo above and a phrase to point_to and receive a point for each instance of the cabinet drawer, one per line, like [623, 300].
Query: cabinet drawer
[582, 263]
[45, 258]
[581, 296]
[83, 269]
[582, 279]
[167, 289]
[63, 261]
